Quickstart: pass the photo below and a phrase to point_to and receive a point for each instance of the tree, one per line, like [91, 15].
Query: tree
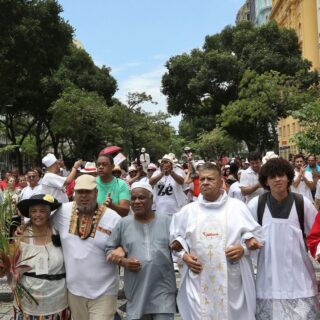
[142, 129]
[263, 100]
[83, 121]
[199, 84]
[33, 40]
[77, 69]
[215, 144]
[308, 140]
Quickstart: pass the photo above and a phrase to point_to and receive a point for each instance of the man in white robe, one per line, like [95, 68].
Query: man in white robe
[144, 159]
[217, 281]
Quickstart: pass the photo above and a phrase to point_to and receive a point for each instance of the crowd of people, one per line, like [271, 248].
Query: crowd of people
[240, 231]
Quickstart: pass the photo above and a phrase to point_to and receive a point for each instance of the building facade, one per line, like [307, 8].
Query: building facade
[252, 7]
[287, 128]
[246, 12]
[243, 13]
[304, 17]
[262, 11]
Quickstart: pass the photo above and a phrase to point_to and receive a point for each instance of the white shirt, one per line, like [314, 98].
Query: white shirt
[168, 195]
[54, 184]
[250, 178]
[302, 187]
[89, 275]
[145, 160]
[317, 195]
[235, 192]
[28, 192]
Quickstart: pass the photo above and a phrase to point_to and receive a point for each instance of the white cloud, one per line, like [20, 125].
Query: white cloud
[125, 67]
[159, 56]
[150, 83]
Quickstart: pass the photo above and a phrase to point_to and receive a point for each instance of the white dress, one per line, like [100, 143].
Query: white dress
[223, 290]
[286, 282]
[51, 295]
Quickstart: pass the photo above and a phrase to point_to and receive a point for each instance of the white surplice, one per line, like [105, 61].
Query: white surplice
[223, 289]
[286, 281]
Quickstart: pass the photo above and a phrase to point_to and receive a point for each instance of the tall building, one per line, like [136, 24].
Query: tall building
[262, 11]
[318, 20]
[246, 12]
[303, 17]
[243, 13]
[252, 6]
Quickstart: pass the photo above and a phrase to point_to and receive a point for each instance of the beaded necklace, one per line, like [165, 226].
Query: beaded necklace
[84, 226]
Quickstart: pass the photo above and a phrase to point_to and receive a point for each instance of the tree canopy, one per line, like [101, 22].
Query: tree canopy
[242, 79]
[33, 40]
[308, 140]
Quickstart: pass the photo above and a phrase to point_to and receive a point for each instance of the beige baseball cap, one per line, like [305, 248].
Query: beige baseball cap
[85, 182]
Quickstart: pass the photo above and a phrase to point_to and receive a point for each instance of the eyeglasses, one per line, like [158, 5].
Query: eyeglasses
[151, 170]
[103, 164]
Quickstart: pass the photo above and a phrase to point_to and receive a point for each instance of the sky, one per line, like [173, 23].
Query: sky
[135, 38]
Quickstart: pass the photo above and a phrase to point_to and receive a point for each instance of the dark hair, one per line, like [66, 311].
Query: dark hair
[254, 156]
[297, 156]
[234, 168]
[312, 155]
[37, 169]
[276, 167]
[210, 167]
[108, 156]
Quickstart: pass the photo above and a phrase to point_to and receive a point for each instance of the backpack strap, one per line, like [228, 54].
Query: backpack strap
[262, 200]
[298, 200]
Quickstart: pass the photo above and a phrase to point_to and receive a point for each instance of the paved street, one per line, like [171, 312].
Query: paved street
[6, 307]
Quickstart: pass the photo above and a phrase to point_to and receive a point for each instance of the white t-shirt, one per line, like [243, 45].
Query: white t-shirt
[235, 192]
[89, 275]
[168, 195]
[28, 192]
[302, 187]
[248, 179]
[54, 184]
[317, 195]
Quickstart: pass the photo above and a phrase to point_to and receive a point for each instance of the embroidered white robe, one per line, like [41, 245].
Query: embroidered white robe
[231, 223]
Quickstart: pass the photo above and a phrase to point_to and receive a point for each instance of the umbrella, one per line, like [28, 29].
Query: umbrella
[110, 150]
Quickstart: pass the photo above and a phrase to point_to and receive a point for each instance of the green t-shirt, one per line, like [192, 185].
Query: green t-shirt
[118, 188]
